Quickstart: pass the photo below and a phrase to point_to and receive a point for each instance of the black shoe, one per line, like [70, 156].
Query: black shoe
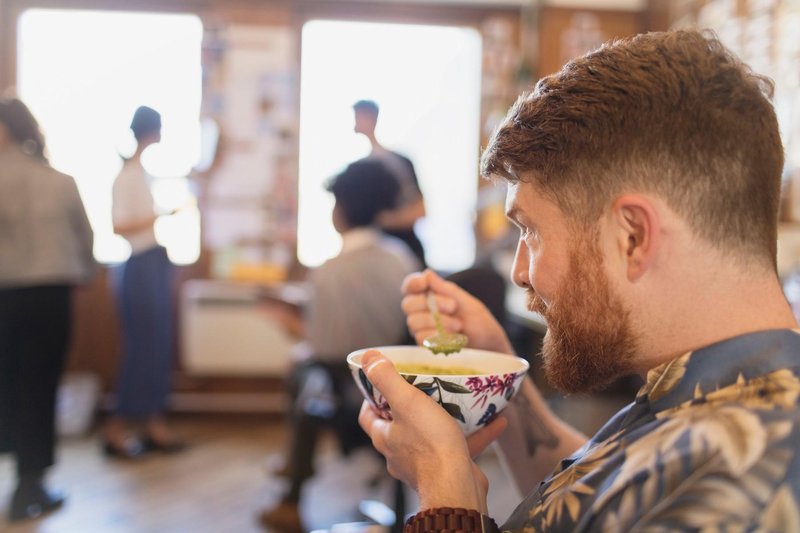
[131, 449]
[172, 446]
[32, 501]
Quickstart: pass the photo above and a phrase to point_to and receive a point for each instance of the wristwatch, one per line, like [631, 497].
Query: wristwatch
[450, 520]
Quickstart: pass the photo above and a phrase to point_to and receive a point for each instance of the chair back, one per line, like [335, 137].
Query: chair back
[485, 284]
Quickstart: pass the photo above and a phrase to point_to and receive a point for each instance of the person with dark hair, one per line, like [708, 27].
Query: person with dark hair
[143, 288]
[146, 121]
[355, 302]
[398, 222]
[45, 251]
[645, 180]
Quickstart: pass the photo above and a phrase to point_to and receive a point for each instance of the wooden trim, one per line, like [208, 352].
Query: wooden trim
[657, 15]
[414, 13]
[289, 12]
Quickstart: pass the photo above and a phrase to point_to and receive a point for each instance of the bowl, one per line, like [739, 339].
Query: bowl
[485, 383]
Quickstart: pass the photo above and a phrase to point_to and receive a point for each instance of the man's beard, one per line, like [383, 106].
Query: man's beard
[589, 341]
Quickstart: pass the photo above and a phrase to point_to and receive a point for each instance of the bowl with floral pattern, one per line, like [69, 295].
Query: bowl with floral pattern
[473, 386]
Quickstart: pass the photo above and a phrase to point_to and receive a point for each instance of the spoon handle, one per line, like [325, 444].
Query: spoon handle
[434, 309]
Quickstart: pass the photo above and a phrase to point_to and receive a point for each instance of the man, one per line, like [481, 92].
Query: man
[355, 302]
[644, 178]
[398, 222]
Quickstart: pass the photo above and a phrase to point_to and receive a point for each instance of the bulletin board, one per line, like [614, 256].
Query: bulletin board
[250, 98]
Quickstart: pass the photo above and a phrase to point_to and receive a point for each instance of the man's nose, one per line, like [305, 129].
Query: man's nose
[519, 271]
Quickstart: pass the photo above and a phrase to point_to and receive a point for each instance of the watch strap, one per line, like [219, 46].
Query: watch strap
[450, 520]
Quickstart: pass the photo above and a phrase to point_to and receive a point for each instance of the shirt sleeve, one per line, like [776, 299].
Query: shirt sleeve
[411, 173]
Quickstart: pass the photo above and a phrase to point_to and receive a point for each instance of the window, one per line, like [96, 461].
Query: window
[426, 80]
[83, 73]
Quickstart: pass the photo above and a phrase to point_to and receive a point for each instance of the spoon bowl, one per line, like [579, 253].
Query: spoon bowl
[443, 342]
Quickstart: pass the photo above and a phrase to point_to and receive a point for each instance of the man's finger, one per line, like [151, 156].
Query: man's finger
[432, 278]
[414, 283]
[439, 285]
[373, 425]
[421, 321]
[454, 295]
[414, 303]
[366, 416]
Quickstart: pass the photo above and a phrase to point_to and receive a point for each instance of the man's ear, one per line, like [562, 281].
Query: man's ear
[638, 227]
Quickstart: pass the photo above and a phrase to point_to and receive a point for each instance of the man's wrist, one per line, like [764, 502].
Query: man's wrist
[454, 487]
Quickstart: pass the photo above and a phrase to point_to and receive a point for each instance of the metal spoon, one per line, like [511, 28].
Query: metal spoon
[443, 342]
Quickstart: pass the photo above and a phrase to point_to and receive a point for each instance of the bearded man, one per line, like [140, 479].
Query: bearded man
[644, 178]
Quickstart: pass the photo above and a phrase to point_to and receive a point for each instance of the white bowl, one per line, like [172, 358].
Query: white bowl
[472, 399]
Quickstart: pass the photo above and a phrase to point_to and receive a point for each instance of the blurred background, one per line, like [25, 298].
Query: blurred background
[256, 98]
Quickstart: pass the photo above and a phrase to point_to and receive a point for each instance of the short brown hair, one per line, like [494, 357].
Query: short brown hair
[674, 114]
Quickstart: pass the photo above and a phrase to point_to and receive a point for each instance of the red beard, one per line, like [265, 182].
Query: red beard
[589, 341]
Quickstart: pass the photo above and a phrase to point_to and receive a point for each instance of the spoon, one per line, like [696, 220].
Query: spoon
[443, 342]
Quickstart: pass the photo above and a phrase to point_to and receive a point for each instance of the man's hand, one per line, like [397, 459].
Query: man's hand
[461, 313]
[422, 444]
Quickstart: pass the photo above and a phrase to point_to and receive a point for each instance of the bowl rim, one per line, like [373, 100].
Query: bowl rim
[525, 364]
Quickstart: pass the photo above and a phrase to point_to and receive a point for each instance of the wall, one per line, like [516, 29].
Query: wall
[763, 33]
[551, 36]
[567, 33]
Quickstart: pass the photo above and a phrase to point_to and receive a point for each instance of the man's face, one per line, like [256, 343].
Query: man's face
[589, 340]
[364, 122]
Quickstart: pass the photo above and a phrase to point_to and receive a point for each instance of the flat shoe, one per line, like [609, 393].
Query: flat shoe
[32, 502]
[173, 446]
[131, 449]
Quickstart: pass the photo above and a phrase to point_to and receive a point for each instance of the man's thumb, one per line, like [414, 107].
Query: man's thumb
[382, 374]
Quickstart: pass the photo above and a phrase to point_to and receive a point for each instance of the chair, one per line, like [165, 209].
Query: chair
[485, 284]
[335, 401]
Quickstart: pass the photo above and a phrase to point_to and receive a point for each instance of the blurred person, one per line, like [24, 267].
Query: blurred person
[398, 222]
[45, 251]
[143, 288]
[355, 303]
[645, 180]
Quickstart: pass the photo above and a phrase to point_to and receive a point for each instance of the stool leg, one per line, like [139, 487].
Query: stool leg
[399, 507]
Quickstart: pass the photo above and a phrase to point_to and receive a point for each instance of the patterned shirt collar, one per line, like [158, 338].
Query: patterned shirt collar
[718, 365]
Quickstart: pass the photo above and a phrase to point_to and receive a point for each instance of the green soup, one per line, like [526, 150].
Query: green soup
[419, 368]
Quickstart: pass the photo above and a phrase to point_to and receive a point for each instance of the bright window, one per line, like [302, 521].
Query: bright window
[83, 73]
[426, 80]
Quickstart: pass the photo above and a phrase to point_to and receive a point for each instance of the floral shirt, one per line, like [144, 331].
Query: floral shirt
[710, 443]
